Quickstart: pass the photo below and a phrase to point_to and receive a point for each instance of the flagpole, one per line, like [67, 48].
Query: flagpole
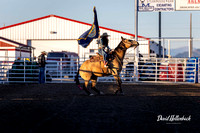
[136, 39]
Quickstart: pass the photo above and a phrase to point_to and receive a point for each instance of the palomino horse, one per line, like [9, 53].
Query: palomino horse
[90, 71]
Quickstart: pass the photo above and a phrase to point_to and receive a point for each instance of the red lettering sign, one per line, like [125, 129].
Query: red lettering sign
[193, 1]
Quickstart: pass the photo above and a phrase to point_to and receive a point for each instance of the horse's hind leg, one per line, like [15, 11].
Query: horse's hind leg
[86, 89]
[94, 82]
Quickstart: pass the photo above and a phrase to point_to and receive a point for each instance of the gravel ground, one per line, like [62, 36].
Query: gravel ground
[63, 108]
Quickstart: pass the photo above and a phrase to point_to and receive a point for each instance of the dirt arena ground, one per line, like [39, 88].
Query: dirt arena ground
[63, 108]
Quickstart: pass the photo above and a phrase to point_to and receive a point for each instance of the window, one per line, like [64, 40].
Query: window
[91, 50]
[53, 32]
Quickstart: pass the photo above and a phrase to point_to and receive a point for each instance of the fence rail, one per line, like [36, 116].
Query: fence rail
[165, 69]
[60, 70]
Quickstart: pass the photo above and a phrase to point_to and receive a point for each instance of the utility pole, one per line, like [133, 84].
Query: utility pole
[169, 54]
[136, 39]
[159, 34]
[191, 39]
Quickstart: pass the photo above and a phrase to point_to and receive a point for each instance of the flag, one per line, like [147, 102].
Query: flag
[86, 38]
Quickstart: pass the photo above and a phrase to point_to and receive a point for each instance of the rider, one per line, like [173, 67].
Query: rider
[104, 48]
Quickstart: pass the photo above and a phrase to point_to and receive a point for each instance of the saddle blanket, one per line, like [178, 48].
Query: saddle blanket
[96, 58]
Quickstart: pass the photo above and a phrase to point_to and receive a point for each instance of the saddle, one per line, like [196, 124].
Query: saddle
[98, 57]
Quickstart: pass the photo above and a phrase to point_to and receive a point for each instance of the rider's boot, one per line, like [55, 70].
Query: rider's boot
[105, 63]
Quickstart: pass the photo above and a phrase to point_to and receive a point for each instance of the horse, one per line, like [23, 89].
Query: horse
[90, 71]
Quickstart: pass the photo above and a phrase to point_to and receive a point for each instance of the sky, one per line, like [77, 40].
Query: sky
[114, 14]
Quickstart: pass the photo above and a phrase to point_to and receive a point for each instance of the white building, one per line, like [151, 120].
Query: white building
[10, 48]
[60, 34]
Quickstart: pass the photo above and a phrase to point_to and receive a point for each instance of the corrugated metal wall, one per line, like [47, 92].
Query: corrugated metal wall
[44, 29]
[57, 28]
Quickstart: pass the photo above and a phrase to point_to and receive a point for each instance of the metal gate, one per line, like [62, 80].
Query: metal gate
[64, 70]
[168, 70]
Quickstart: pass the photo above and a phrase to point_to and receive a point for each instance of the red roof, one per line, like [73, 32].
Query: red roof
[11, 41]
[72, 21]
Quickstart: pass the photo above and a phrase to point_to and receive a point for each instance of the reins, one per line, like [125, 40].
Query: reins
[122, 47]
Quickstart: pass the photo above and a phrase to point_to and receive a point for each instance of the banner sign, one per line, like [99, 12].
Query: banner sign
[185, 5]
[155, 5]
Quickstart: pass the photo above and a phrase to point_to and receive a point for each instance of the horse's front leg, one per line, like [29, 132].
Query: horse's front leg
[119, 83]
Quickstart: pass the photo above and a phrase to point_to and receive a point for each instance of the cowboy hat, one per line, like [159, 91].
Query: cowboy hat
[105, 35]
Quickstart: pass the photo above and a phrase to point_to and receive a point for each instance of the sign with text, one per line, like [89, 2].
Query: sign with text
[155, 5]
[185, 5]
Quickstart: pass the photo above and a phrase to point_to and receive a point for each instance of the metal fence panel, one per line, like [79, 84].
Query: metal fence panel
[168, 69]
[60, 70]
[199, 70]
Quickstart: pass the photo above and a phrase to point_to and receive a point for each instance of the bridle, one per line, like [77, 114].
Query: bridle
[123, 46]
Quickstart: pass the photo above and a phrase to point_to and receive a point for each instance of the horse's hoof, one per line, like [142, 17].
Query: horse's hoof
[121, 94]
[91, 95]
[101, 93]
[116, 92]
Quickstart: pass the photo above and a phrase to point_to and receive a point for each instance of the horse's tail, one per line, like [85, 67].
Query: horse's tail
[77, 80]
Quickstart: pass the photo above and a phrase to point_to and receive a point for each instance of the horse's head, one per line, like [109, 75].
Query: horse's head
[129, 43]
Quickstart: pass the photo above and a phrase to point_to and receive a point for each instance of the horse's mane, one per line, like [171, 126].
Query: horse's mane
[119, 47]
